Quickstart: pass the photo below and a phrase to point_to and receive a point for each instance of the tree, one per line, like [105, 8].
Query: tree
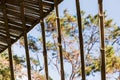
[71, 48]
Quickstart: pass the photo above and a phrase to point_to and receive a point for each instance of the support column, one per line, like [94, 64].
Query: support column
[43, 38]
[81, 40]
[8, 40]
[101, 20]
[25, 39]
[59, 40]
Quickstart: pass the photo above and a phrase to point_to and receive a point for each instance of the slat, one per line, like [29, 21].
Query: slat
[25, 39]
[14, 18]
[81, 44]
[28, 16]
[2, 39]
[59, 41]
[11, 35]
[43, 39]
[102, 42]
[4, 36]
[12, 26]
[3, 44]
[36, 3]
[2, 47]
[19, 24]
[14, 10]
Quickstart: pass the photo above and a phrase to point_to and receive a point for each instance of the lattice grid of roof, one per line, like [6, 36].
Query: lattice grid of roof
[10, 10]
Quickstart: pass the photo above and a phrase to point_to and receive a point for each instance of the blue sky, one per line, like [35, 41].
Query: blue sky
[91, 7]
[112, 8]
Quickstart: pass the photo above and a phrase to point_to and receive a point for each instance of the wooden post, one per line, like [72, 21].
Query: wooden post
[8, 40]
[80, 39]
[101, 20]
[43, 38]
[59, 41]
[25, 39]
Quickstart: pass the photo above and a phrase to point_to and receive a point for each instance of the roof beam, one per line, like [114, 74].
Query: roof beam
[32, 17]
[3, 44]
[3, 32]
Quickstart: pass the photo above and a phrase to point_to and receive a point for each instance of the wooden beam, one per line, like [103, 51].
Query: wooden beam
[81, 44]
[43, 38]
[34, 23]
[17, 19]
[1, 47]
[8, 40]
[10, 34]
[25, 39]
[36, 3]
[16, 23]
[3, 36]
[19, 23]
[11, 26]
[59, 41]
[31, 14]
[3, 40]
[3, 44]
[16, 2]
[102, 41]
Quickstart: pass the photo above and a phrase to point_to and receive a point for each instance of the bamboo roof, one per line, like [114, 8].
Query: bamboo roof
[14, 21]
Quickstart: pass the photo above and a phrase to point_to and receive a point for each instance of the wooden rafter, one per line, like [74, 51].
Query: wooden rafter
[32, 16]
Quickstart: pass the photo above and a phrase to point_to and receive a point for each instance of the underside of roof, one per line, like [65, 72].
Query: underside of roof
[12, 10]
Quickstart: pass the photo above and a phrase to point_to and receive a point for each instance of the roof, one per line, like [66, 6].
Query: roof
[12, 9]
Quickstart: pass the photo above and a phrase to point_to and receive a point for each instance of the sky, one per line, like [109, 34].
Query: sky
[90, 7]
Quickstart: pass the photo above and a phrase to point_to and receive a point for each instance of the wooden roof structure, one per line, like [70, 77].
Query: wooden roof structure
[13, 12]
[18, 17]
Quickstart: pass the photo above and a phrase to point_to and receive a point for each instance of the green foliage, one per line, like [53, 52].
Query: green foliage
[112, 61]
[116, 33]
[4, 67]
[18, 60]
